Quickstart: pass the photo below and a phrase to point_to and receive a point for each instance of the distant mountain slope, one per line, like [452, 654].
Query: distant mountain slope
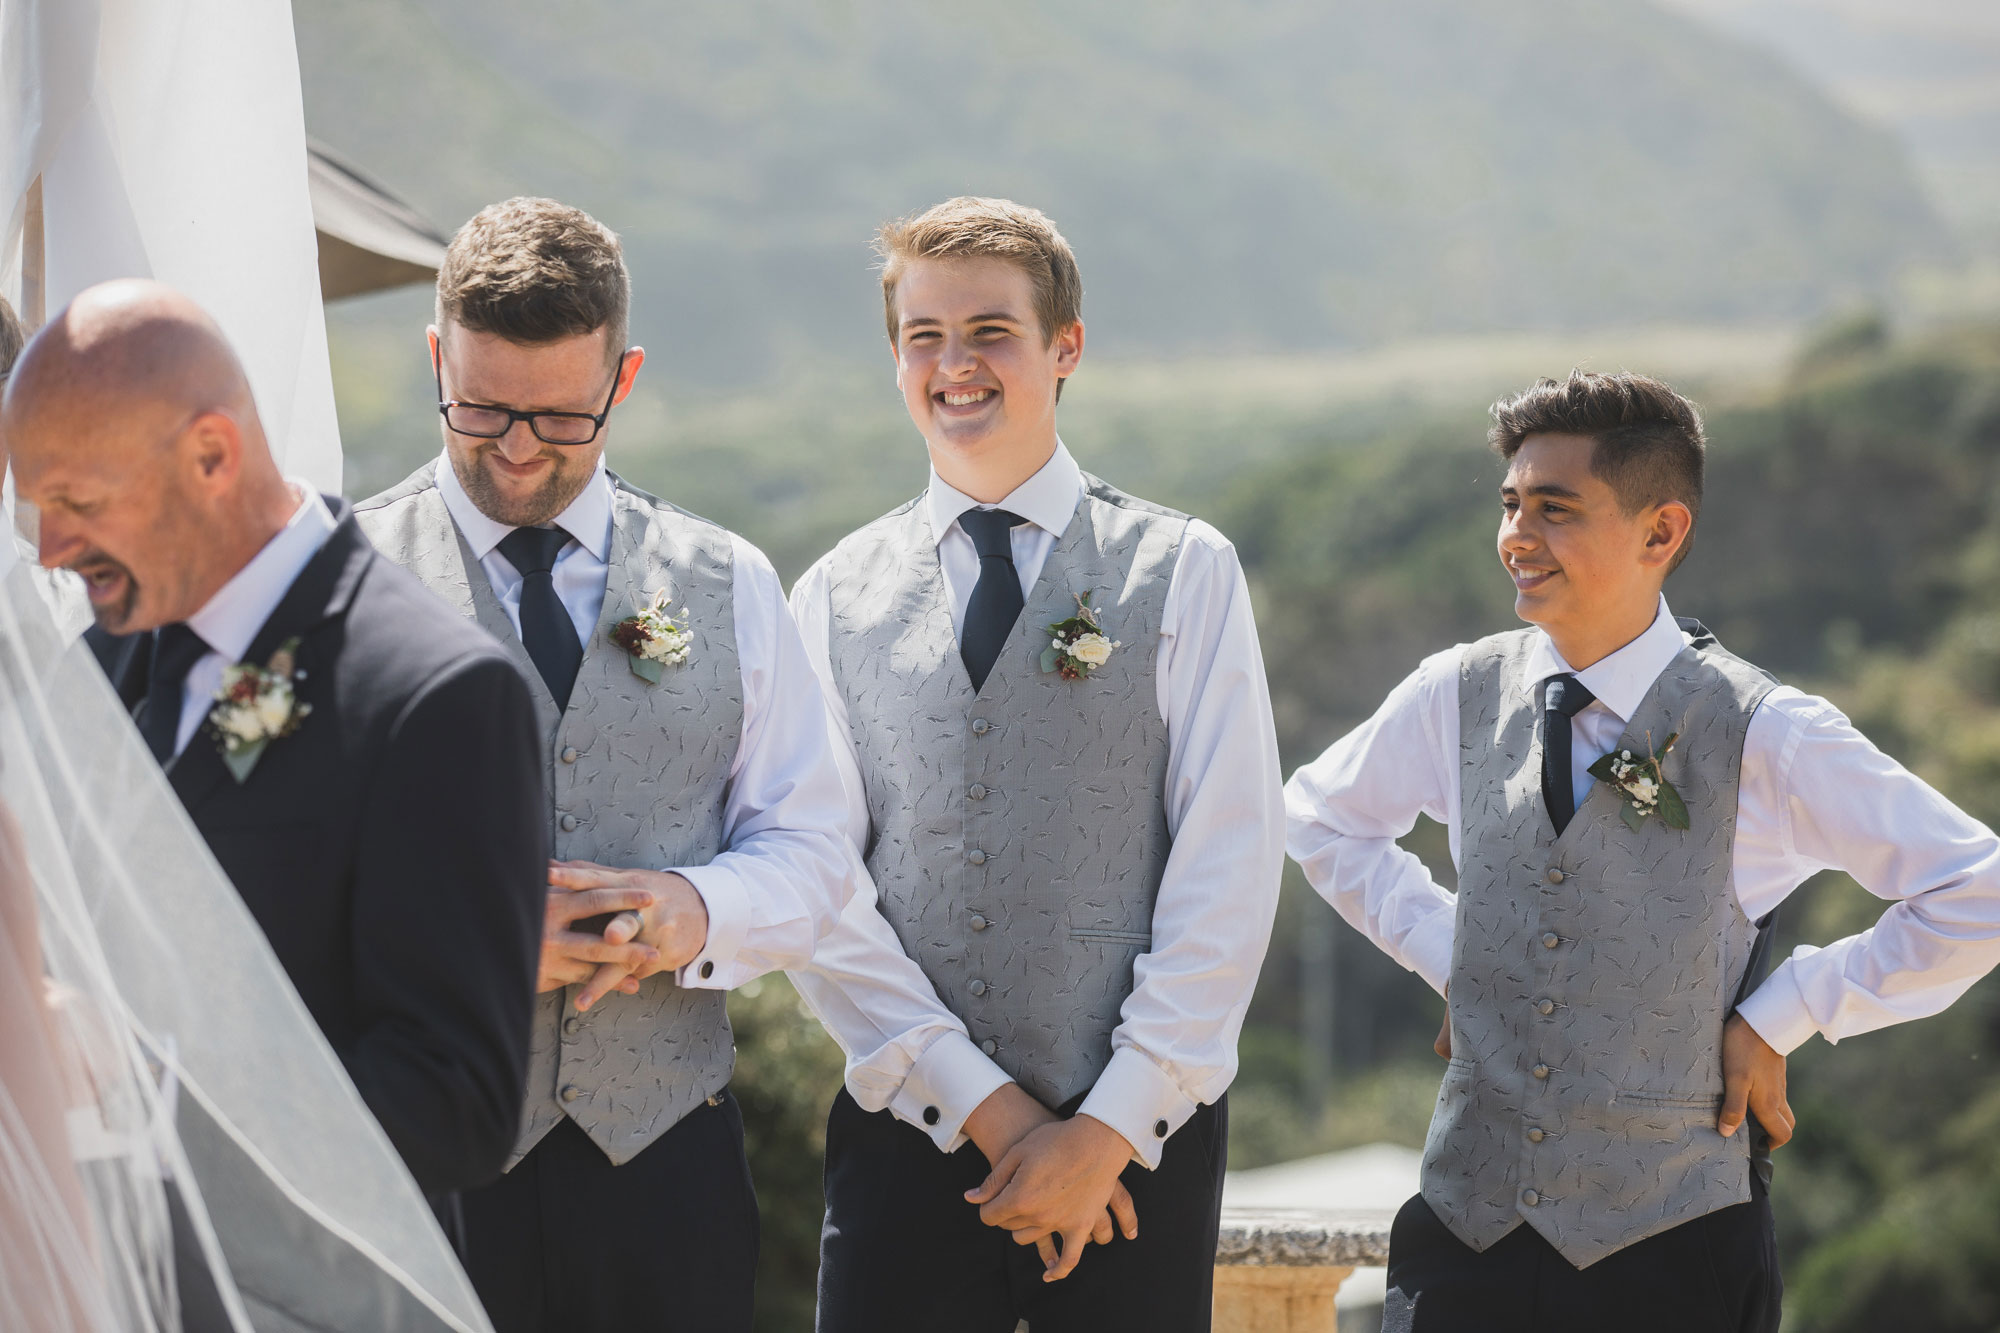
[1930, 69]
[1243, 177]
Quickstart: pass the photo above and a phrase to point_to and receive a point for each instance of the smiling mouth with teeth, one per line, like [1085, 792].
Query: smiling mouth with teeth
[966, 398]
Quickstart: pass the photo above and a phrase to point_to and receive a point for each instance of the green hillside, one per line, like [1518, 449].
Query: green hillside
[1284, 175]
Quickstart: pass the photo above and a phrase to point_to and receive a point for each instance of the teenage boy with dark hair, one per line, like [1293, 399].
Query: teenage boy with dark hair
[1626, 802]
[1050, 704]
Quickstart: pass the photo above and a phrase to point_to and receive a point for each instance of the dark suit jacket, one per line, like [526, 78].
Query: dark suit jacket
[394, 849]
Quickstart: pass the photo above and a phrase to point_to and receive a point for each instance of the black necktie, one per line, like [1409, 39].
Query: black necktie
[176, 649]
[1563, 697]
[996, 598]
[547, 632]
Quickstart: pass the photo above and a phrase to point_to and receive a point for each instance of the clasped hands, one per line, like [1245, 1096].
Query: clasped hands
[661, 926]
[1054, 1183]
[1753, 1078]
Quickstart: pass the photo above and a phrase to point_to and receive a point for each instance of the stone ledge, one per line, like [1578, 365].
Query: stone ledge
[1304, 1238]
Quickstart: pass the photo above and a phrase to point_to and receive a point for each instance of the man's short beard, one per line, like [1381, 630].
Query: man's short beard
[545, 503]
[114, 616]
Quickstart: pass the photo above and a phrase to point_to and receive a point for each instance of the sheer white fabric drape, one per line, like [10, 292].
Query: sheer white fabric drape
[147, 1014]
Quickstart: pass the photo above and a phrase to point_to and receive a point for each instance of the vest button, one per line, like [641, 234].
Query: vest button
[976, 986]
[989, 1046]
[568, 754]
[976, 856]
[979, 922]
[976, 792]
[1551, 940]
[1540, 1071]
[1555, 875]
[1545, 1006]
[569, 1092]
[1530, 1198]
[1535, 1136]
[572, 1026]
[568, 823]
[980, 726]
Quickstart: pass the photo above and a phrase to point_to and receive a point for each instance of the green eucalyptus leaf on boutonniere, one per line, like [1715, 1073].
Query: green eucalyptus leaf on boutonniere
[1077, 646]
[1642, 786]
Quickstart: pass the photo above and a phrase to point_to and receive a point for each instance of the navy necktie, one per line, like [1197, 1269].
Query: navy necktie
[1563, 697]
[176, 649]
[547, 631]
[996, 598]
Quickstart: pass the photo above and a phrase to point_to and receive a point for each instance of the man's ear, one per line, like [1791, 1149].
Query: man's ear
[1069, 350]
[213, 445]
[1667, 533]
[628, 371]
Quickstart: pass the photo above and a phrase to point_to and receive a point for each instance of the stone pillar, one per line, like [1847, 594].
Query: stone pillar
[1276, 1300]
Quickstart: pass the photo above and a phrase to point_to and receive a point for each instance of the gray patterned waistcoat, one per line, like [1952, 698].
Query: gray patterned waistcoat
[1019, 834]
[637, 776]
[1591, 973]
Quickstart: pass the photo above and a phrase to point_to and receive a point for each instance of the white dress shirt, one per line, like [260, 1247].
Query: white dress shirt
[786, 868]
[230, 621]
[1175, 1045]
[1814, 794]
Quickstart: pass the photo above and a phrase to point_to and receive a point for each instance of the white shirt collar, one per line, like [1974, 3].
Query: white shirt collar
[1048, 499]
[10, 554]
[229, 621]
[588, 517]
[1621, 680]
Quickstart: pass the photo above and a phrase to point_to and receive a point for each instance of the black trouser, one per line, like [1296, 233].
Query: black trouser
[1718, 1272]
[568, 1243]
[903, 1252]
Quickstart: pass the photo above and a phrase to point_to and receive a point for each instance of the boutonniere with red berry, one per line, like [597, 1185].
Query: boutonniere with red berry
[1077, 646]
[652, 641]
[1642, 786]
[256, 705]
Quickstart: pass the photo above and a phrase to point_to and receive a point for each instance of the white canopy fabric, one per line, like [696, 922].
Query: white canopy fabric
[169, 136]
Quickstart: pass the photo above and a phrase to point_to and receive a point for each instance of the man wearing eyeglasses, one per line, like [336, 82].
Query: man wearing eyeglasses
[688, 759]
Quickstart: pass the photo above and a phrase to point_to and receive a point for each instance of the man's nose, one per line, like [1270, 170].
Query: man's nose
[56, 542]
[520, 443]
[959, 359]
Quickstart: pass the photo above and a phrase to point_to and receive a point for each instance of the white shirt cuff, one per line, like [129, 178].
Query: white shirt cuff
[945, 1085]
[1136, 1097]
[728, 903]
[1777, 1011]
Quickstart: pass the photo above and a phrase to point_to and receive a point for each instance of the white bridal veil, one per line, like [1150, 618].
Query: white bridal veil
[171, 1118]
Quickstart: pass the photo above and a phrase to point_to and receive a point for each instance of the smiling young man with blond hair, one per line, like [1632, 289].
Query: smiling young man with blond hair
[1627, 803]
[1051, 708]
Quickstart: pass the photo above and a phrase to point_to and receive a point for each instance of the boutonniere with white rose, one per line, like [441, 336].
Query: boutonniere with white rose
[652, 641]
[1077, 646]
[1642, 786]
[256, 705]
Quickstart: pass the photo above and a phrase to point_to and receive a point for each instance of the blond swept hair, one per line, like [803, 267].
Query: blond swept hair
[532, 271]
[970, 227]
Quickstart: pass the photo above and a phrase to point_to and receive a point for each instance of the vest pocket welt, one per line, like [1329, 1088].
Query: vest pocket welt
[1709, 1101]
[1140, 937]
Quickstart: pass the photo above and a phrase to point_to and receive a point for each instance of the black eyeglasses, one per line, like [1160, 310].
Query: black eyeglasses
[486, 421]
